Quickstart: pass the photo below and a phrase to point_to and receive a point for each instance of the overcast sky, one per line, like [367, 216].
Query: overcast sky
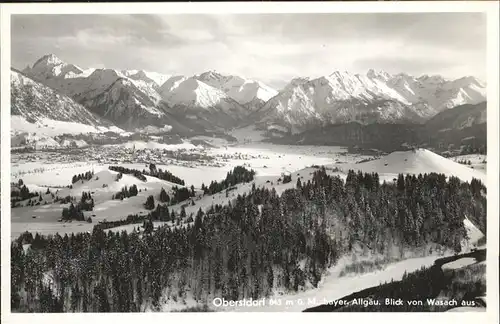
[273, 48]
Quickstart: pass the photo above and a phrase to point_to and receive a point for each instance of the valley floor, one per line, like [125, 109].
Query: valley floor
[53, 171]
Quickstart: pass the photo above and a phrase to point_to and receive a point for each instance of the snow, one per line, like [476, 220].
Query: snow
[473, 232]
[49, 127]
[42, 110]
[420, 161]
[33, 140]
[50, 66]
[105, 208]
[338, 96]
[153, 129]
[157, 78]
[141, 145]
[192, 92]
[332, 287]
[106, 88]
[475, 159]
[270, 161]
[71, 143]
[240, 89]
[460, 263]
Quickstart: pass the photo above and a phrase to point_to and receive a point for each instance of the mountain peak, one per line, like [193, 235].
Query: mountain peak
[210, 75]
[373, 74]
[432, 78]
[49, 60]
[192, 92]
[471, 80]
[340, 74]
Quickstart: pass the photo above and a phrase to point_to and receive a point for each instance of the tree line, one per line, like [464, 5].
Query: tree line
[75, 212]
[153, 172]
[126, 192]
[238, 175]
[247, 248]
[163, 175]
[136, 173]
[82, 176]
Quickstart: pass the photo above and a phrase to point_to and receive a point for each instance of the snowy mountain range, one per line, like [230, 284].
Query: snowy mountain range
[376, 97]
[132, 99]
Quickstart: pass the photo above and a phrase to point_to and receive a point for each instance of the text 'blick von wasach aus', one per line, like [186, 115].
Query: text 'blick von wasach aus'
[313, 301]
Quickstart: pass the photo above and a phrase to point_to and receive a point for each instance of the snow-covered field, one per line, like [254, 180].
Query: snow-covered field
[49, 127]
[478, 161]
[269, 161]
[46, 216]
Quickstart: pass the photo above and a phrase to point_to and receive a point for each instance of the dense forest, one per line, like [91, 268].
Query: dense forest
[256, 243]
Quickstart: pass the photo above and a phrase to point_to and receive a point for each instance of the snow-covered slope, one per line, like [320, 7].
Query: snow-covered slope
[191, 92]
[460, 117]
[437, 92]
[246, 92]
[153, 79]
[134, 99]
[103, 186]
[197, 100]
[416, 162]
[50, 66]
[375, 97]
[126, 101]
[36, 108]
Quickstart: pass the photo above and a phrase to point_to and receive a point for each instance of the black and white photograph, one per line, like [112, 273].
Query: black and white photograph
[249, 162]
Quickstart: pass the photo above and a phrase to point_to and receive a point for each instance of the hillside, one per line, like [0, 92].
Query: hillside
[458, 118]
[326, 220]
[416, 162]
[462, 126]
[36, 108]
